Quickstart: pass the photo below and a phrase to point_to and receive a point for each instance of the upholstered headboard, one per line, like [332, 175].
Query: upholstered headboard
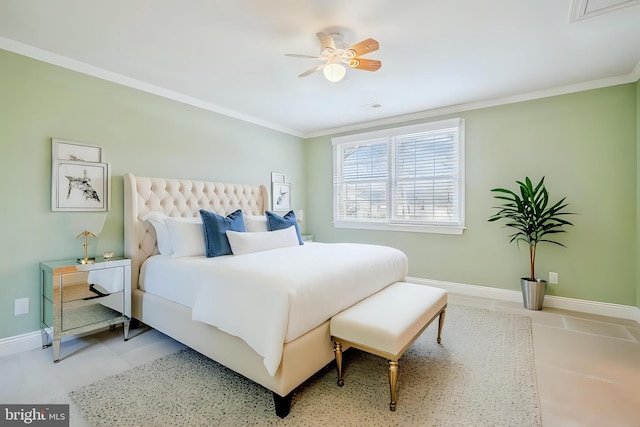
[178, 198]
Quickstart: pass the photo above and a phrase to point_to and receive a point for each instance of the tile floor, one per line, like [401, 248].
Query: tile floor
[588, 366]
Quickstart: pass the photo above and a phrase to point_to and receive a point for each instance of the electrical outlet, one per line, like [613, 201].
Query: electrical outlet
[21, 306]
[553, 278]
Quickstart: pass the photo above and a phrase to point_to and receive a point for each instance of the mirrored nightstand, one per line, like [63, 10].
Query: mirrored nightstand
[80, 298]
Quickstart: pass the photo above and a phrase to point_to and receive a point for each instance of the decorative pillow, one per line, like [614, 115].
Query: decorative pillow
[247, 243]
[215, 231]
[186, 236]
[277, 222]
[157, 220]
[255, 223]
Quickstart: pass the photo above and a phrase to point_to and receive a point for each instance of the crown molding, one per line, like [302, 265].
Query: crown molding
[632, 77]
[68, 63]
[81, 67]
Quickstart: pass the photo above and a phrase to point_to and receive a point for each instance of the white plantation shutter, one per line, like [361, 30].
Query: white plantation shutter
[408, 178]
[364, 177]
[426, 172]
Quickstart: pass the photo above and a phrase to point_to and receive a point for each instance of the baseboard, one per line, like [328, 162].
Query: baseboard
[33, 340]
[20, 343]
[584, 306]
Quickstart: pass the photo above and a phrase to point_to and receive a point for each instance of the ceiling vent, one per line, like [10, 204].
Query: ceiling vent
[583, 9]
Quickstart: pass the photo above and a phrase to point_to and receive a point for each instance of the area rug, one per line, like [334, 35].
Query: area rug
[482, 374]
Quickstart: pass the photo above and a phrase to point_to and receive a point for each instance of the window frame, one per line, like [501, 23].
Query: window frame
[389, 224]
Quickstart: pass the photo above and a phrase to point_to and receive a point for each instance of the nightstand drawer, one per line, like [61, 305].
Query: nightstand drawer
[84, 285]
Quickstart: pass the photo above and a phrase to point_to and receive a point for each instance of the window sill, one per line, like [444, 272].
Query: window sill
[443, 229]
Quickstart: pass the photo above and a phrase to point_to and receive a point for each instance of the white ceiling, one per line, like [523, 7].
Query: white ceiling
[228, 56]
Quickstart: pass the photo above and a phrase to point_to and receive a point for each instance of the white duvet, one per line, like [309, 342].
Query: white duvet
[272, 297]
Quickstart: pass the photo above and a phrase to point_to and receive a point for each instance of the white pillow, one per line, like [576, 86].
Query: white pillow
[157, 219]
[255, 223]
[247, 243]
[187, 237]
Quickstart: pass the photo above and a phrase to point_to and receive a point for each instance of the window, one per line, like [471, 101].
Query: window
[409, 179]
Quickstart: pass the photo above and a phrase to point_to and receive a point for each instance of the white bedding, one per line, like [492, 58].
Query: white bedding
[176, 279]
[272, 297]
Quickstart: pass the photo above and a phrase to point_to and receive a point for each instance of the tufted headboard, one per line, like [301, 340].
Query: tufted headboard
[178, 198]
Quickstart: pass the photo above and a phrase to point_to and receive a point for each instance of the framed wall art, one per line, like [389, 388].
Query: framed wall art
[80, 186]
[75, 151]
[281, 196]
[278, 177]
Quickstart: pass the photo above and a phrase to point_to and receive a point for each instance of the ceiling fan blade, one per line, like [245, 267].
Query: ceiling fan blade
[362, 48]
[311, 70]
[326, 41]
[297, 55]
[365, 64]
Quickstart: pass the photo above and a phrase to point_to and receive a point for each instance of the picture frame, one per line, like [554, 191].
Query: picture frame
[278, 178]
[281, 196]
[75, 151]
[80, 186]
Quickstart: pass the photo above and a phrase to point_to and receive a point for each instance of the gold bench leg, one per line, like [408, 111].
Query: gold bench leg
[337, 350]
[440, 325]
[393, 381]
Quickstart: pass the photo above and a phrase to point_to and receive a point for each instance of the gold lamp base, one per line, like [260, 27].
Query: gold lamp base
[86, 259]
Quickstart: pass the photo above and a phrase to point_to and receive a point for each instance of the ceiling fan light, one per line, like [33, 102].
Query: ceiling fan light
[334, 72]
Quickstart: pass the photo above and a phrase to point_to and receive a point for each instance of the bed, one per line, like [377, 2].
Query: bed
[288, 352]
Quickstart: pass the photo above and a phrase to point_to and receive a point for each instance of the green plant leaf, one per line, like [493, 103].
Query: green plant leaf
[530, 215]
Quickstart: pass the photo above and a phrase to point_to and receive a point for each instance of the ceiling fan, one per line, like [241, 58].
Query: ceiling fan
[334, 57]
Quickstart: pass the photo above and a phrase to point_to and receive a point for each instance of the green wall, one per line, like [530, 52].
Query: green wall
[139, 133]
[585, 145]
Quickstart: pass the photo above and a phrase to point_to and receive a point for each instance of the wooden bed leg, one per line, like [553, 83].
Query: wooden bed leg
[283, 404]
[393, 382]
[337, 350]
[440, 325]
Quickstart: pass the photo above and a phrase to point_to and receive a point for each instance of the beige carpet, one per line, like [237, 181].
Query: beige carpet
[482, 374]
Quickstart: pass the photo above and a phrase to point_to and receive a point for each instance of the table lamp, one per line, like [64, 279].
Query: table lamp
[94, 222]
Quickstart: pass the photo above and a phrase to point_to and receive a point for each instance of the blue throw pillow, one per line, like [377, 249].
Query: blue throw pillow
[277, 222]
[215, 231]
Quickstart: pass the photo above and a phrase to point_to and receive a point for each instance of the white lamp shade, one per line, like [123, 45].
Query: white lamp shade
[334, 72]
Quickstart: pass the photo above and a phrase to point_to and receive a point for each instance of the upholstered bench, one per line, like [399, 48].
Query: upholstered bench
[387, 323]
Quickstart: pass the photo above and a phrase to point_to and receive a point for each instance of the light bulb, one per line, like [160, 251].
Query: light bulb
[334, 72]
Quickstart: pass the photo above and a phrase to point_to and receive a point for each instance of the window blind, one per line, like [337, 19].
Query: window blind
[409, 176]
[425, 178]
[364, 175]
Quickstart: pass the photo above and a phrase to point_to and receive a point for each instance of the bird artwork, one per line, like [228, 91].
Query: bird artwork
[282, 197]
[82, 184]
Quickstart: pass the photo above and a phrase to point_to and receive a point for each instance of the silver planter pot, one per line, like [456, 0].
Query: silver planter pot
[533, 293]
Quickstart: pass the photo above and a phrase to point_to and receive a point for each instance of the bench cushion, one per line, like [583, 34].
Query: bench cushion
[390, 319]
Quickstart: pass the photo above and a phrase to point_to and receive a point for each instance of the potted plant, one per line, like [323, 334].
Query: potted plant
[534, 220]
